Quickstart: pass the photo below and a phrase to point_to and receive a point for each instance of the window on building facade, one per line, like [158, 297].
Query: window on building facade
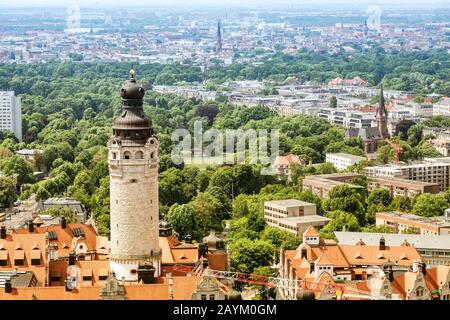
[19, 262]
[35, 262]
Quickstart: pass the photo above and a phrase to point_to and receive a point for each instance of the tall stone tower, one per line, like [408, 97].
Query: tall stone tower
[382, 116]
[219, 37]
[133, 168]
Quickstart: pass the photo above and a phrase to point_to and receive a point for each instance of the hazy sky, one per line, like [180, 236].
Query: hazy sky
[332, 4]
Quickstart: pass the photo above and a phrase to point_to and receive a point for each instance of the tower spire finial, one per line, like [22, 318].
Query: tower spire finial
[382, 107]
[132, 72]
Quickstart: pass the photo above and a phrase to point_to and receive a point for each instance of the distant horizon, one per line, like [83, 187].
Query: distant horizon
[318, 4]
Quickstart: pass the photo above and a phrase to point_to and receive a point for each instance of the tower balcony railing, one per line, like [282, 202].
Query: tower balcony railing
[132, 161]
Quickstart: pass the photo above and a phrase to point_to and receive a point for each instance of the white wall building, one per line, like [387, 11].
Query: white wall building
[342, 161]
[434, 170]
[442, 108]
[419, 109]
[347, 118]
[11, 113]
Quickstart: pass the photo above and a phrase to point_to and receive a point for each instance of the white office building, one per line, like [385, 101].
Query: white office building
[347, 118]
[11, 113]
[342, 161]
[292, 215]
[434, 170]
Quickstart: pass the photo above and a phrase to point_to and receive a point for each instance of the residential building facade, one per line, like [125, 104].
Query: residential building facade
[11, 113]
[402, 187]
[431, 170]
[342, 161]
[322, 184]
[400, 222]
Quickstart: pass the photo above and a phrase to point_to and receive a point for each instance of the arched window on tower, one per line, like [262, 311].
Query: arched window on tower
[152, 155]
[114, 155]
[139, 155]
[127, 155]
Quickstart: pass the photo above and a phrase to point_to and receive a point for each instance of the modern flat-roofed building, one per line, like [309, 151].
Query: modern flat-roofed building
[11, 113]
[323, 183]
[442, 107]
[402, 187]
[342, 161]
[432, 170]
[292, 215]
[347, 118]
[435, 250]
[400, 221]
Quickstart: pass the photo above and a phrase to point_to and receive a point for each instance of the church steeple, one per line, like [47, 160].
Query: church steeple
[219, 37]
[382, 115]
[381, 106]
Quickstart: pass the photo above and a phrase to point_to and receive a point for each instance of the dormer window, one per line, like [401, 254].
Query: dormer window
[3, 257]
[19, 257]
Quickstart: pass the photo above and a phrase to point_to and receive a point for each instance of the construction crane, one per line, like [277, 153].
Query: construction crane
[397, 150]
[340, 291]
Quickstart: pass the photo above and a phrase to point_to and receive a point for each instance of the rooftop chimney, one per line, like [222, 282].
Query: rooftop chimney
[63, 222]
[72, 258]
[382, 243]
[304, 253]
[30, 226]
[390, 274]
[423, 266]
[146, 273]
[202, 249]
[3, 232]
[8, 286]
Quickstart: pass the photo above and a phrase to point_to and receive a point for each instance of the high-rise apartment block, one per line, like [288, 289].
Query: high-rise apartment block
[11, 113]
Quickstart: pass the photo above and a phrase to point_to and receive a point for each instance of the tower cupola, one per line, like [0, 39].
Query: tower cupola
[133, 124]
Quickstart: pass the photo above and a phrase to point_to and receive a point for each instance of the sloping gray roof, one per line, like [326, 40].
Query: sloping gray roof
[392, 239]
[76, 206]
[21, 279]
[366, 134]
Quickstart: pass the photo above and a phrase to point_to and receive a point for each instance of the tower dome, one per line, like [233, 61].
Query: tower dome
[132, 124]
[132, 90]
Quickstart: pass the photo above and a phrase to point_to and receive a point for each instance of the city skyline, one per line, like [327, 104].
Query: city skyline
[320, 4]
